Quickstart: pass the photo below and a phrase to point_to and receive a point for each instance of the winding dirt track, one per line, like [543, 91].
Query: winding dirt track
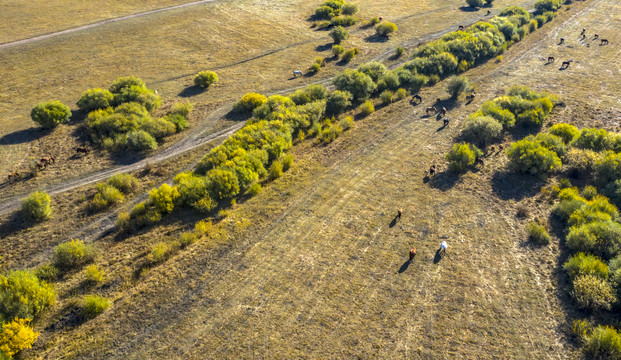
[97, 24]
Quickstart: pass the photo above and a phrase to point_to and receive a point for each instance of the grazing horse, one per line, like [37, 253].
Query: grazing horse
[561, 41]
[443, 111]
[604, 42]
[479, 161]
[595, 37]
[583, 31]
[583, 37]
[417, 97]
[12, 176]
[565, 65]
[470, 98]
[431, 109]
[399, 212]
[443, 247]
[412, 253]
[82, 150]
[550, 59]
[48, 160]
[446, 121]
[438, 101]
[432, 170]
[461, 27]
[488, 12]
[297, 72]
[40, 165]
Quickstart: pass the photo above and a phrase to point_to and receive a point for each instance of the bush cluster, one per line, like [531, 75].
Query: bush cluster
[113, 191]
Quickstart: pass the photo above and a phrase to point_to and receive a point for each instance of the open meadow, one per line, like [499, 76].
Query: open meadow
[316, 264]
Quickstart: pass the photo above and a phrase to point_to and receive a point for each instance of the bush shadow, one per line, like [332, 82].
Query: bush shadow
[467, 9]
[324, 47]
[375, 38]
[237, 116]
[444, 180]
[24, 136]
[191, 91]
[509, 185]
[14, 223]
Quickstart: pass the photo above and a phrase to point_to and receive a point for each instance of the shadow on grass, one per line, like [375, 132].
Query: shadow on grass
[24, 136]
[237, 116]
[511, 185]
[404, 266]
[324, 47]
[191, 91]
[444, 180]
[439, 256]
[468, 9]
[14, 223]
[375, 38]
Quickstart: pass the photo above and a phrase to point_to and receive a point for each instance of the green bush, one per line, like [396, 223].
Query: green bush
[475, 3]
[564, 131]
[598, 237]
[186, 239]
[586, 264]
[105, 196]
[23, 295]
[540, 19]
[401, 94]
[533, 25]
[309, 94]
[73, 254]
[462, 156]
[141, 95]
[385, 29]
[346, 123]
[224, 183]
[94, 99]
[180, 122]
[337, 50]
[367, 108]
[287, 161]
[94, 274]
[47, 272]
[182, 108]
[254, 189]
[359, 84]
[399, 51]
[338, 34]
[125, 83]
[542, 6]
[582, 162]
[314, 68]
[592, 292]
[588, 192]
[36, 206]
[337, 102]
[609, 168]
[159, 252]
[324, 12]
[205, 78]
[164, 198]
[604, 343]
[373, 21]
[140, 140]
[93, 305]
[275, 170]
[330, 132]
[126, 183]
[349, 54]
[538, 234]
[533, 158]
[158, 128]
[144, 214]
[349, 9]
[344, 20]
[249, 102]
[482, 130]
[374, 69]
[123, 221]
[50, 114]
[513, 10]
[323, 24]
[386, 97]
[550, 142]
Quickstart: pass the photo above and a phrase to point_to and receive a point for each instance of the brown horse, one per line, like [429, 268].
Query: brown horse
[13, 176]
[417, 97]
[470, 98]
[82, 150]
[432, 170]
[443, 111]
[48, 160]
[550, 59]
[604, 42]
[431, 109]
[399, 212]
[562, 41]
[412, 253]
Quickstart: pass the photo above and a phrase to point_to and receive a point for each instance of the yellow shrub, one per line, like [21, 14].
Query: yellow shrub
[17, 335]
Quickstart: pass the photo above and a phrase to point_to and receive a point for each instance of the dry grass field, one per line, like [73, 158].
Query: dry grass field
[253, 45]
[315, 265]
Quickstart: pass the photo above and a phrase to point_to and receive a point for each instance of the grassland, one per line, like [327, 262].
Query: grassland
[314, 267]
[251, 45]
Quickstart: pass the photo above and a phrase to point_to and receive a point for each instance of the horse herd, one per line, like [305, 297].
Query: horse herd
[565, 64]
[44, 162]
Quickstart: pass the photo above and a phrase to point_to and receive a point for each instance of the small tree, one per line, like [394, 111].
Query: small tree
[205, 78]
[49, 114]
[337, 102]
[457, 85]
[462, 156]
[385, 29]
[37, 206]
[94, 99]
[338, 34]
